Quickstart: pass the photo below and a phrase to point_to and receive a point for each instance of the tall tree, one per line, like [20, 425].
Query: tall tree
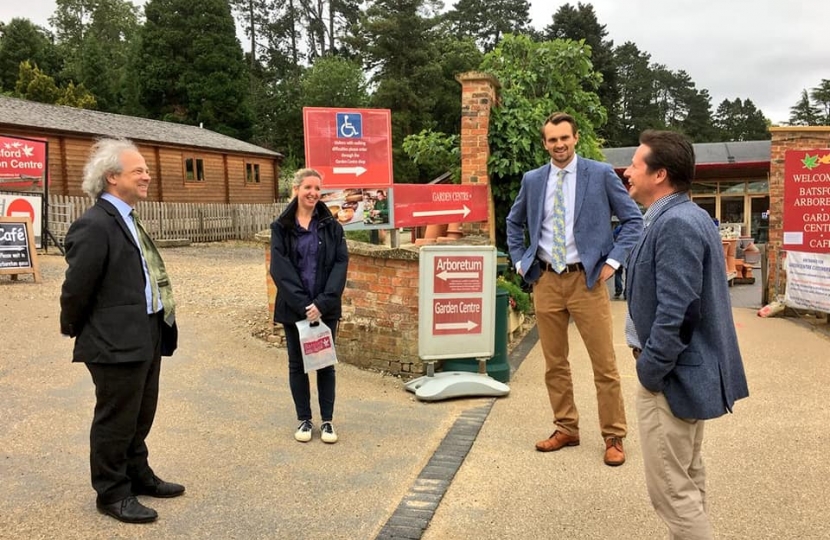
[334, 81]
[191, 68]
[637, 109]
[397, 41]
[681, 106]
[21, 41]
[94, 37]
[327, 22]
[34, 85]
[804, 113]
[740, 121]
[488, 21]
[579, 23]
[821, 99]
[454, 56]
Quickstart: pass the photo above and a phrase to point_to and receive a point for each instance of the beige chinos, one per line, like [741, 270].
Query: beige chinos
[674, 470]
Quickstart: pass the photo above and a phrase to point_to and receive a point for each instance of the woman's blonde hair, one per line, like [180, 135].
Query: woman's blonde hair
[302, 174]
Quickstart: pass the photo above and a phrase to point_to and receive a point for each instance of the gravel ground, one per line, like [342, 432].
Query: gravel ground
[215, 276]
[224, 427]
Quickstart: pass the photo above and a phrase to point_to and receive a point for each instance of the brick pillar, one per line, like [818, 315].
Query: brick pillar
[478, 94]
[783, 139]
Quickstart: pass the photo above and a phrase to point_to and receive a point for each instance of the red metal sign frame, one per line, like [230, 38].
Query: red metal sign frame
[349, 147]
[425, 204]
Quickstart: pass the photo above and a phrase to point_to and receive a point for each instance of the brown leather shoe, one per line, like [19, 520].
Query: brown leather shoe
[557, 441]
[614, 453]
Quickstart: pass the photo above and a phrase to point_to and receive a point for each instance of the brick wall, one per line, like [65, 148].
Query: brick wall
[379, 329]
[478, 95]
[783, 139]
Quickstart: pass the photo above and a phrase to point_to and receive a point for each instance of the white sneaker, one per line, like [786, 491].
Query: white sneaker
[303, 433]
[327, 433]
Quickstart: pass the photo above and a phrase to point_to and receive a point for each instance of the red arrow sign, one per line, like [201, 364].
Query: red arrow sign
[425, 204]
[350, 147]
[452, 274]
[456, 316]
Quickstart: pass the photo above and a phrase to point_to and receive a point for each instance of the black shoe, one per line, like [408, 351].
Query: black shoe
[159, 488]
[128, 510]
[617, 295]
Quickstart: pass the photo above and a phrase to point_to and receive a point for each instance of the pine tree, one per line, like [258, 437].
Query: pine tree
[821, 101]
[488, 21]
[22, 40]
[804, 113]
[190, 67]
[581, 23]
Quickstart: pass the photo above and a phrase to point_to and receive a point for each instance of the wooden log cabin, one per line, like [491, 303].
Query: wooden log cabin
[188, 163]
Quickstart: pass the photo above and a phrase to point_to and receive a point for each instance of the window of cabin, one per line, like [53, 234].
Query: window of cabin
[252, 173]
[194, 169]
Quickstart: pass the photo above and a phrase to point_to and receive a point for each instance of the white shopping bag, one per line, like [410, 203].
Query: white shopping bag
[316, 344]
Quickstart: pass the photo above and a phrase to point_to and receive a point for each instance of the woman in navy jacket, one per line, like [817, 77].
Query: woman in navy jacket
[309, 261]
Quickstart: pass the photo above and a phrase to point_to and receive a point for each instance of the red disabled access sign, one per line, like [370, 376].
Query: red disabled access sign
[456, 316]
[426, 204]
[350, 147]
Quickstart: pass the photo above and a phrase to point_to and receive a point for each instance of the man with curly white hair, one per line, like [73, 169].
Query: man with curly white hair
[117, 303]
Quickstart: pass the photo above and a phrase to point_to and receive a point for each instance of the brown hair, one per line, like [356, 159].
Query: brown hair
[673, 152]
[556, 119]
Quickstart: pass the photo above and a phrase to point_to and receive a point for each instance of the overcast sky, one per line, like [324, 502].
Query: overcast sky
[758, 49]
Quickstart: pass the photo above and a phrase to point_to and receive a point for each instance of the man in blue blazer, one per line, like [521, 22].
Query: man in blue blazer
[680, 329]
[566, 208]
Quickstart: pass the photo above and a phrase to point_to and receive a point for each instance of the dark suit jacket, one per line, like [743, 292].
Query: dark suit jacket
[678, 298]
[102, 300]
[599, 195]
[332, 266]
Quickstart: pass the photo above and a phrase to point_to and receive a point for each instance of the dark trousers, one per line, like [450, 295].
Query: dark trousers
[298, 380]
[126, 396]
[618, 281]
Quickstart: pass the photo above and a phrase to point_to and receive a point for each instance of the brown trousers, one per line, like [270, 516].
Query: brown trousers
[557, 298]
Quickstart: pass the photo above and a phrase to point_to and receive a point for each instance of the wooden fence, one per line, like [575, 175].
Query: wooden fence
[175, 221]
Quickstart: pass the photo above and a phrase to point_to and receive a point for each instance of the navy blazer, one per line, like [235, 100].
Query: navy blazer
[332, 267]
[599, 194]
[102, 299]
[678, 298]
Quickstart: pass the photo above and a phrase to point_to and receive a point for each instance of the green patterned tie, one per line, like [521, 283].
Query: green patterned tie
[158, 274]
[557, 254]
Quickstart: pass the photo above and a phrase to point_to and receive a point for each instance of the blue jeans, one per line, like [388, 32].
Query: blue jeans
[298, 380]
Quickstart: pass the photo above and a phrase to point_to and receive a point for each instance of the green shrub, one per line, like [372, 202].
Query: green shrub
[362, 235]
[518, 299]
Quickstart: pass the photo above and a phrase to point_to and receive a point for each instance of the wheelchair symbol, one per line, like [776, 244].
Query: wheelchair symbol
[349, 125]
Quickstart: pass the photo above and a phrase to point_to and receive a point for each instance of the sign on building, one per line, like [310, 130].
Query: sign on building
[807, 201]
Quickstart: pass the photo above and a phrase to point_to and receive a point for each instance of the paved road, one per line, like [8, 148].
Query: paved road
[225, 423]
